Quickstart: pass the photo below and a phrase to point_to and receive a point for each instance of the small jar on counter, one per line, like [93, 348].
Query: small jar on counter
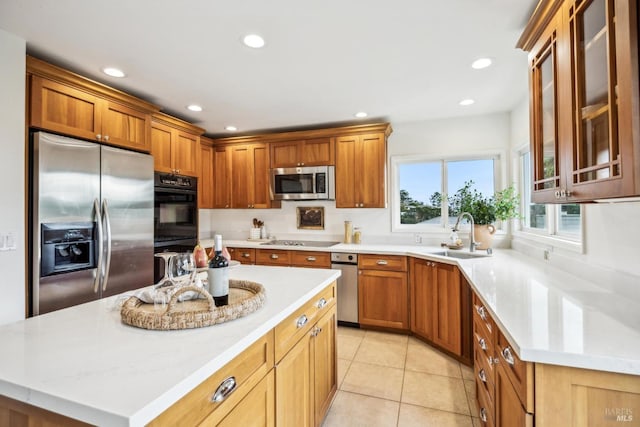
[357, 236]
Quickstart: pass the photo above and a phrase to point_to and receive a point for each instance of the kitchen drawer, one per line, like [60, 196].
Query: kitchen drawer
[243, 255]
[273, 257]
[484, 348]
[486, 410]
[382, 262]
[289, 331]
[519, 373]
[246, 370]
[484, 370]
[481, 317]
[311, 259]
[257, 409]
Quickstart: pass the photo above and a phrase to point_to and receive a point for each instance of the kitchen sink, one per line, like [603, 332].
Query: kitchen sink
[459, 255]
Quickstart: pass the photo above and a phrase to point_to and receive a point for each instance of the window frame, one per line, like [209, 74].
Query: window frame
[498, 157]
[551, 234]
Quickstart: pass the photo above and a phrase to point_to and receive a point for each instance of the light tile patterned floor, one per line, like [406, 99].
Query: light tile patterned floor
[387, 380]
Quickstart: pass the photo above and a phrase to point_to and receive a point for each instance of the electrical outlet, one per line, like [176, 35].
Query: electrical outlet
[547, 254]
[417, 238]
[7, 241]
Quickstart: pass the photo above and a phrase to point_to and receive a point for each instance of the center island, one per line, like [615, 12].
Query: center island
[82, 365]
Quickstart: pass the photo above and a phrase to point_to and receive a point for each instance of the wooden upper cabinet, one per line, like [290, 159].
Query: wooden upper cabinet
[175, 145]
[221, 177]
[306, 152]
[585, 115]
[66, 103]
[205, 174]
[250, 176]
[361, 171]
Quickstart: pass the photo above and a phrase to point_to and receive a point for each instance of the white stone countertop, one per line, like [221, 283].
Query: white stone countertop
[83, 362]
[546, 314]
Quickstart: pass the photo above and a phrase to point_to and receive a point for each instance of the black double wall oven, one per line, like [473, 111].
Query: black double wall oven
[175, 216]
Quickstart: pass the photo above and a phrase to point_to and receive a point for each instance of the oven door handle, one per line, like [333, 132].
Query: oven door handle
[107, 263]
[96, 282]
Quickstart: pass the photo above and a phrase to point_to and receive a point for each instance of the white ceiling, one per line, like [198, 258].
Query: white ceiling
[403, 60]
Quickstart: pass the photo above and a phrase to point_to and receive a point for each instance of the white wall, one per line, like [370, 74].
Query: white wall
[12, 172]
[611, 237]
[447, 137]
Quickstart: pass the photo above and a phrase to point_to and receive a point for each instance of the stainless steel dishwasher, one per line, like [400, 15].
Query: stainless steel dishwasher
[347, 287]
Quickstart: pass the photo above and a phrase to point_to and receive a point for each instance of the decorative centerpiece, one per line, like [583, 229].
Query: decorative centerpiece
[485, 210]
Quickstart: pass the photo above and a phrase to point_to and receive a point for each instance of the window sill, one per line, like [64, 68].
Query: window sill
[554, 241]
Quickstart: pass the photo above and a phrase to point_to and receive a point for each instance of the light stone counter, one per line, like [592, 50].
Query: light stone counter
[546, 314]
[84, 363]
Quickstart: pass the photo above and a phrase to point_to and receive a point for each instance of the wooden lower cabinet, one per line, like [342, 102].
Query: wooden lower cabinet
[383, 299]
[441, 307]
[243, 255]
[306, 377]
[508, 409]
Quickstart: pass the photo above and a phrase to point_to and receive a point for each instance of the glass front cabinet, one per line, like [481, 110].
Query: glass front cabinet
[584, 100]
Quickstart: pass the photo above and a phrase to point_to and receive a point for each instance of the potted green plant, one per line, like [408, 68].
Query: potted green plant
[503, 205]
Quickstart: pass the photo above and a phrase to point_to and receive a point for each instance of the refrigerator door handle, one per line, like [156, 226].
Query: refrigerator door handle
[107, 263]
[96, 283]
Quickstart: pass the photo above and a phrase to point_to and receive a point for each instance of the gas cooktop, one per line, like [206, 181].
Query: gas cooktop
[307, 243]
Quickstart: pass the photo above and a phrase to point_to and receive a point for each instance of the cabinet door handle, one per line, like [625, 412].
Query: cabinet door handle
[302, 320]
[106, 137]
[321, 303]
[482, 343]
[274, 256]
[483, 415]
[311, 258]
[507, 356]
[98, 136]
[482, 375]
[225, 388]
[246, 255]
[482, 312]
[381, 262]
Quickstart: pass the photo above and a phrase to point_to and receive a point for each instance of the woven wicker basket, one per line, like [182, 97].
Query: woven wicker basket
[244, 298]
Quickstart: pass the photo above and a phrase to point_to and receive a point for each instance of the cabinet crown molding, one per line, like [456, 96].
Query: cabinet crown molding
[540, 18]
[308, 134]
[176, 123]
[52, 72]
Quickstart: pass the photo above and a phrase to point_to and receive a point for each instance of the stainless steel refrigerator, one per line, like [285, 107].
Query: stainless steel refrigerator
[91, 221]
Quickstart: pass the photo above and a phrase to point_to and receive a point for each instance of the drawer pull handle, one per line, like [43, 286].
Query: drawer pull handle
[321, 303]
[482, 312]
[225, 388]
[302, 320]
[506, 355]
[482, 343]
[483, 415]
[381, 262]
[482, 375]
[311, 258]
[246, 255]
[274, 256]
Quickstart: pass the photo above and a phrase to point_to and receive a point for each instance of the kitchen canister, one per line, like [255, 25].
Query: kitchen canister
[348, 232]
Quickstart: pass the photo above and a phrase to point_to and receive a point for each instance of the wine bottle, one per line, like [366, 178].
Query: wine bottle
[218, 275]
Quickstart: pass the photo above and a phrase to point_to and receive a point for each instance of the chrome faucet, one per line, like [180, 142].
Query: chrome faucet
[472, 242]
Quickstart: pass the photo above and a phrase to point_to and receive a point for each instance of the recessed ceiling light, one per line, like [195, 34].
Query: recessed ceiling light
[466, 102]
[194, 107]
[253, 40]
[481, 63]
[231, 128]
[113, 72]
[361, 114]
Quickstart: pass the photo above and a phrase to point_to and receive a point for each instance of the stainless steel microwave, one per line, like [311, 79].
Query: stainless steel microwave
[303, 183]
